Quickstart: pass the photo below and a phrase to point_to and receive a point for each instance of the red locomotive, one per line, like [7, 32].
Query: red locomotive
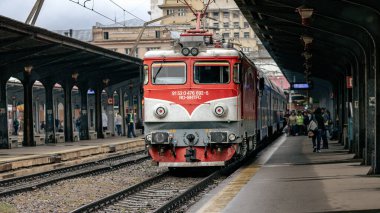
[204, 104]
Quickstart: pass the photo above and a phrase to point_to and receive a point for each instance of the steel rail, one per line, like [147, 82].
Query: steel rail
[98, 204]
[21, 184]
[191, 192]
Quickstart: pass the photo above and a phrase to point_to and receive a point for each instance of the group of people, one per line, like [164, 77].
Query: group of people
[130, 121]
[297, 121]
[316, 125]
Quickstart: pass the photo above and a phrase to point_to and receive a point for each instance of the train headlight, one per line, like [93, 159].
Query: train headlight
[185, 51]
[231, 137]
[160, 137]
[220, 110]
[160, 111]
[194, 51]
[149, 138]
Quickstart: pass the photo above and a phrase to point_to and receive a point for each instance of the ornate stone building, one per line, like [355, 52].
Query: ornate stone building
[121, 38]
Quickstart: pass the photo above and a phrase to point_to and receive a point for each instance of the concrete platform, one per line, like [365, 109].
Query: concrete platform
[27, 160]
[289, 177]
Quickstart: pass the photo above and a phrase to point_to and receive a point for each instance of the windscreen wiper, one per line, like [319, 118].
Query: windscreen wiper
[158, 71]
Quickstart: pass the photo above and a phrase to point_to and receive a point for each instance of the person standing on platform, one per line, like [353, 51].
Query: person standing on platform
[306, 121]
[56, 123]
[130, 123]
[286, 129]
[118, 122]
[299, 121]
[326, 120]
[77, 124]
[293, 123]
[104, 121]
[16, 125]
[42, 127]
[318, 134]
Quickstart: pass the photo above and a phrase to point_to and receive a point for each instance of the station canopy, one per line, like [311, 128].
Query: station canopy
[325, 39]
[57, 58]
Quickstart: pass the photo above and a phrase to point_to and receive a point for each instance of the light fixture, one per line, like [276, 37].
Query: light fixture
[307, 40]
[28, 69]
[106, 81]
[74, 76]
[305, 14]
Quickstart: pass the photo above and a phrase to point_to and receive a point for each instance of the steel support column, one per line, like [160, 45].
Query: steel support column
[110, 111]
[3, 115]
[49, 126]
[98, 112]
[362, 112]
[344, 112]
[355, 116]
[83, 114]
[370, 128]
[376, 165]
[122, 111]
[28, 112]
[68, 112]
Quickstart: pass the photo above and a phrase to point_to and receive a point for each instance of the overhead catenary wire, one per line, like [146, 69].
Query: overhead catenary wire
[103, 15]
[97, 12]
[126, 11]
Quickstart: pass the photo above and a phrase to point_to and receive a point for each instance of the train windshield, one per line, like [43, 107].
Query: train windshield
[168, 73]
[211, 72]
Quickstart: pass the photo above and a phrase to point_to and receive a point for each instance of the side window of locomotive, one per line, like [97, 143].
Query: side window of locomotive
[237, 73]
[211, 72]
[168, 73]
[145, 73]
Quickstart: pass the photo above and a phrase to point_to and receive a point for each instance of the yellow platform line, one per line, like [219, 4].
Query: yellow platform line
[220, 200]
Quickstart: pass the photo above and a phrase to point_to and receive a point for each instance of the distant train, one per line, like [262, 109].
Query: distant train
[206, 105]
[298, 102]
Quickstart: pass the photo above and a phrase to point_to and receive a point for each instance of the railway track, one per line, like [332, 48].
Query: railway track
[162, 193]
[30, 182]
[158, 194]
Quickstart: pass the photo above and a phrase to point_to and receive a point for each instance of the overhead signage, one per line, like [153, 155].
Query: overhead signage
[300, 86]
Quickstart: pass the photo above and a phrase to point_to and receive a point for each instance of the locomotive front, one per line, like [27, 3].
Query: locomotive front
[192, 107]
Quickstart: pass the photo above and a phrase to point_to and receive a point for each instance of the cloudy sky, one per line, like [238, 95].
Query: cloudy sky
[65, 14]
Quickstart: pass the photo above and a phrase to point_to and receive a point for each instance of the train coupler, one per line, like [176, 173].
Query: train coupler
[191, 155]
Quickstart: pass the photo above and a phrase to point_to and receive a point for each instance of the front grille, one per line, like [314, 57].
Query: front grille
[160, 137]
[218, 137]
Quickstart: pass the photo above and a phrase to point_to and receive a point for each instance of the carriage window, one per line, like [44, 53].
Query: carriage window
[168, 73]
[211, 72]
